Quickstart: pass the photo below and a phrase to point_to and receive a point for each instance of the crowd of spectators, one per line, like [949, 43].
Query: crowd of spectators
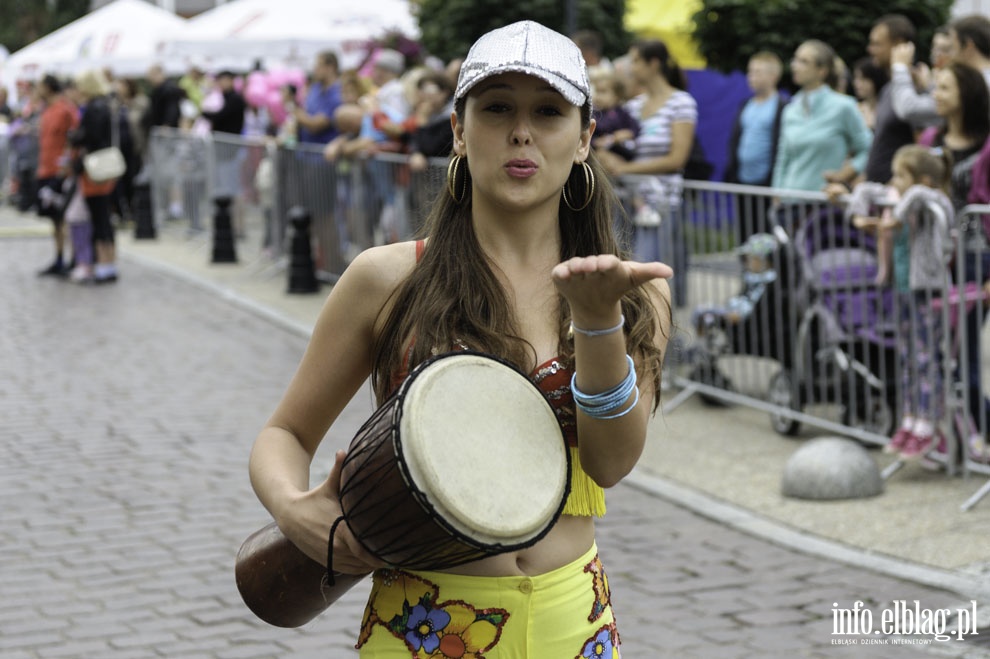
[647, 117]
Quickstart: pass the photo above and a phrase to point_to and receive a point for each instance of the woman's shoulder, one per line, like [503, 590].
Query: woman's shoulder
[371, 279]
[682, 97]
[682, 107]
[385, 266]
[845, 102]
[96, 108]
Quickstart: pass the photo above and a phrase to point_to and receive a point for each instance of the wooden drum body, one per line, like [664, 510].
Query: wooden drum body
[466, 460]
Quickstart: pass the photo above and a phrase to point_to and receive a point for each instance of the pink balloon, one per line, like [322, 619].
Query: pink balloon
[276, 110]
[297, 77]
[257, 78]
[256, 94]
[213, 101]
[277, 78]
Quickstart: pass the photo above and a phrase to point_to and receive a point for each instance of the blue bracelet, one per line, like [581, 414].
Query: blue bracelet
[625, 411]
[601, 406]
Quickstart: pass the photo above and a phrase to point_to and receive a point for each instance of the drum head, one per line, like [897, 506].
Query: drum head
[483, 445]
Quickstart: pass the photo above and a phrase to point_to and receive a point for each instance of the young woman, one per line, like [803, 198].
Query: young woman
[963, 101]
[820, 128]
[519, 251]
[667, 115]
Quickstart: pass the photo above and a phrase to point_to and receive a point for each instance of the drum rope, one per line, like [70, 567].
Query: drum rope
[333, 530]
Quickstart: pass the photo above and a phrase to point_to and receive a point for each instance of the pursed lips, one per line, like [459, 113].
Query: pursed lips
[519, 168]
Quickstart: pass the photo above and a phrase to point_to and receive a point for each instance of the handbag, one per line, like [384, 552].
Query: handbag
[108, 163]
[104, 165]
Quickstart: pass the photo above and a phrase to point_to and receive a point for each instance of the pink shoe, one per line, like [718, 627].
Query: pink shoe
[978, 449]
[915, 447]
[942, 446]
[896, 443]
[81, 274]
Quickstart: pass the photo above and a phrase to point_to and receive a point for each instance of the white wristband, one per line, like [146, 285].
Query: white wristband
[601, 332]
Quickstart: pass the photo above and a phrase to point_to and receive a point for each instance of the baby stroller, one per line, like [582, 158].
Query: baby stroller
[748, 323]
[843, 347]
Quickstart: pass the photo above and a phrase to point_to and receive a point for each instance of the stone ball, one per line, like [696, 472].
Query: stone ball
[831, 468]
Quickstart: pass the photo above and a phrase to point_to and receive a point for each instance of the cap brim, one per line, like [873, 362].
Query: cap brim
[571, 94]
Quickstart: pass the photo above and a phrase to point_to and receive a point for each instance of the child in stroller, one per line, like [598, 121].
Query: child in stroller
[747, 323]
[758, 275]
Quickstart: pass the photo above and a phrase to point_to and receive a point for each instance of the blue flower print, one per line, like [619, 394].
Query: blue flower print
[423, 625]
[600, 647]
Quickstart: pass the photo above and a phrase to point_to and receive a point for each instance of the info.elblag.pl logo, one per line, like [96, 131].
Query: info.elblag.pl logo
[902, 619]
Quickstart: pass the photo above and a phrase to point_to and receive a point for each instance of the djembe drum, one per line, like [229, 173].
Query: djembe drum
[466, 460]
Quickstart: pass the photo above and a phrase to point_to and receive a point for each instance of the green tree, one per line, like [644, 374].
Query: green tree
[26, 21]
[729, 31]
[449, 27]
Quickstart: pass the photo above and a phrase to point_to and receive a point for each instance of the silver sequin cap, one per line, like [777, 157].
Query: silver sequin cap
[527, 47]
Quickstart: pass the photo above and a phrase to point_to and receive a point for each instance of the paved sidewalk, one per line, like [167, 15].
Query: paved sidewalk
[129, 411]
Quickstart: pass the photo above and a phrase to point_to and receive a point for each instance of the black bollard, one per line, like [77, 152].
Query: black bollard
[302, 270]
[144, 218]
[223, 232]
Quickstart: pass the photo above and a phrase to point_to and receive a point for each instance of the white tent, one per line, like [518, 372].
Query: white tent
[289, 33]
[126, 36]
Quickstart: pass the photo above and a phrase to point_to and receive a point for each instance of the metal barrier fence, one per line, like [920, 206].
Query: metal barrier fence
[179, 166]
[808, 336]
[353, 204]
[6, 164]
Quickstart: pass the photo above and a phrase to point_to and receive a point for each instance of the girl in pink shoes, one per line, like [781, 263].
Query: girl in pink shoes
[80, 231]
[917, 231]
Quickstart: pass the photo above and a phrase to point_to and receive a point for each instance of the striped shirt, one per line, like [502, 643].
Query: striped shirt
[654, 139]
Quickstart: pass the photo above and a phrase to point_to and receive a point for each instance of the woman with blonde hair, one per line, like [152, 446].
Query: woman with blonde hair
[95, 132]
[820, 127]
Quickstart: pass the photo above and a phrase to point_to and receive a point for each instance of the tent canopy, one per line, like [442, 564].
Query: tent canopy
[126, 36]
[671, 22]
[289, 33]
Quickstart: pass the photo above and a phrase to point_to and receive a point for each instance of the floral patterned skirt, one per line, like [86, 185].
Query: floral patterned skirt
[563, 613]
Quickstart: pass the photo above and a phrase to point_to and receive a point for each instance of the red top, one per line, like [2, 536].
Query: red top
[53, 135]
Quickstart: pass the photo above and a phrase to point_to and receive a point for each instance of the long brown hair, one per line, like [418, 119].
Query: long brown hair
[452, 296]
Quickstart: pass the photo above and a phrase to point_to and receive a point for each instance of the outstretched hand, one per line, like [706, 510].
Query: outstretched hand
[593, 285]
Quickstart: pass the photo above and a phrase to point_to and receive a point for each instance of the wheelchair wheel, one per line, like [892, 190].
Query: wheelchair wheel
[783, 393]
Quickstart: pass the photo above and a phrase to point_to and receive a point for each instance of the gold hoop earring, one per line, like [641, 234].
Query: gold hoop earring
[453, 170]
[589, 187]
